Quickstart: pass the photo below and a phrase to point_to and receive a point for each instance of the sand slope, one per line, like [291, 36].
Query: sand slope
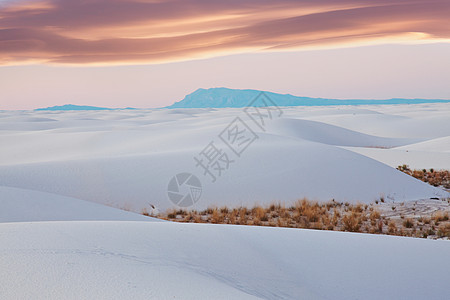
[19, 205]
[126, 158]
[147, 260]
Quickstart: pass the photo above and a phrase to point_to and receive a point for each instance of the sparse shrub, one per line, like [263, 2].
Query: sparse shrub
[374, 216]
[216, 217]
[392, 228]
[233, 216]
[408, 223]
[358, 208]
[181, 212]
[243, 216]
[259, 214]
[351, 222]
[172, 214]
[440, 216]
[443, 231]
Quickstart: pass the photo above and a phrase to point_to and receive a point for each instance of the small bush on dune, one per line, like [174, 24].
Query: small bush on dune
[374, 216]
[380, 226]
[392, 228]
[259, 213]
[216, 216]
[172, 214]
[243, 216]
[351, 222]
[440, 216]
[408, 223]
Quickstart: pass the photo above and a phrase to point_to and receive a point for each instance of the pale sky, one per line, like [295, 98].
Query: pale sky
[145, 53]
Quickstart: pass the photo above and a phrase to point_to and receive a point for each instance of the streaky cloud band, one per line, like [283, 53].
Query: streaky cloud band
[114, 32]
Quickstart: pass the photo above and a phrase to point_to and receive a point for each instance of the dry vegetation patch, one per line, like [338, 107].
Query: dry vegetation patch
[424, 218]
[434, 177]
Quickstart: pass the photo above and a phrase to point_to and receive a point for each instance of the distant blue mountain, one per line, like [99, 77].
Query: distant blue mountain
[224, 97]
[78, 107]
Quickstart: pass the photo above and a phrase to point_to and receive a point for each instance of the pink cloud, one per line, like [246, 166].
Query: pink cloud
[139, 31]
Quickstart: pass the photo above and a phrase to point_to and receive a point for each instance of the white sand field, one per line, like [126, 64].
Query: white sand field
[62, 174]
[165, 260]
[126, 158]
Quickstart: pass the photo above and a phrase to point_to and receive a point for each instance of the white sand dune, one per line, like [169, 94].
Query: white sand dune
[423, 121]
[333, 135]
[288, 173]
[415, 159]
[434, 145]
[19, 205]
[154, 260]
[432, 153]
[126, 158]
